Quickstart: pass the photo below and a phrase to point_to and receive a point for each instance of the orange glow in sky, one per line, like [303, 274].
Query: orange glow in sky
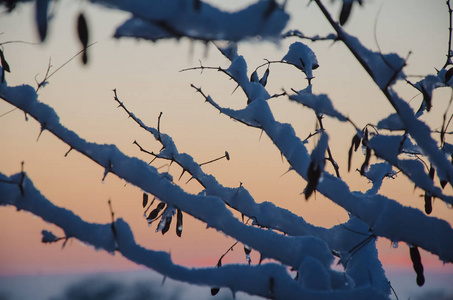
[147, 78]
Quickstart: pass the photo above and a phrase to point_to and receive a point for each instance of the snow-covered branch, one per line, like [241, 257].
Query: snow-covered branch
[209, 209]
[269, 280]
[290, 251]
[276, 233]
[375, 210]
[264, 214]
[385, 70]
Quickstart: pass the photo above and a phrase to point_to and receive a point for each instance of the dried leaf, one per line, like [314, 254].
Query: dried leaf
[82, 30]
[313, 174]
[428, 196]
[365, 137]
[145, 200]
[448, 75]
[426, 98]
[263, 80]
[215, 291]
[417, 264]
[366, 163]
[155, 212]
[354, 146]
[84, 57]
[345, 12]
[167, 225]
[428, 203]
[356, 142]
[178, 222]
[41, 10]
[5, 65]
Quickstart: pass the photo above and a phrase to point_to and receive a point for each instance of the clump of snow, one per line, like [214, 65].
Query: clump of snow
[385, 68]
[321, 104]
[376, 173]
[387, 147]
[302, 57]
[229, 49]
[154, 20]
[447, 149]
[253, 90]
[313, 275]
[392, 122]
[139, 28]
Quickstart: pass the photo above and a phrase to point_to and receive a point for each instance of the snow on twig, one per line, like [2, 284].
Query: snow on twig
[236, 277]
[207, 208]
[374, 210]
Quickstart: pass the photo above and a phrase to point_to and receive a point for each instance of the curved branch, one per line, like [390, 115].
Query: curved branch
[416, 128]
[375, 210]
[270, 280]
[214, 213]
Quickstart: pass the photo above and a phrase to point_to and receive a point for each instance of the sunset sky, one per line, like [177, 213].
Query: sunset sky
[147, 78]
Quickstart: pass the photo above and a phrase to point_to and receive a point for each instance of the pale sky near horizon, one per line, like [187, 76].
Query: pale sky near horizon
[147, 78]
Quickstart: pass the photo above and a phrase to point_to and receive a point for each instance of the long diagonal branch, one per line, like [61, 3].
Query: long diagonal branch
[383, 215]
[250, 279]
[416, 128]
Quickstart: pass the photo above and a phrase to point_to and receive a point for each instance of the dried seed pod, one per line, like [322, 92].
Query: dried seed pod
[313, 174]
[354, 146]
[155, 212]
[417, 264]
[82, 30]
[448, 75]
[366, 163]
[426, 98]
[263, 80]
[5, 66]
[41, 10]
[167, 225]
[145, 200]
[428, 196]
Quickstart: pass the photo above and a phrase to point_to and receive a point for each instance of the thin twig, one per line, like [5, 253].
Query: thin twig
[58, 69]
[329, 153]
[225, 71]
[216, 159]
[449, 52]
[156, 136]
[297, 33]
[9, 111]
[18, 42]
